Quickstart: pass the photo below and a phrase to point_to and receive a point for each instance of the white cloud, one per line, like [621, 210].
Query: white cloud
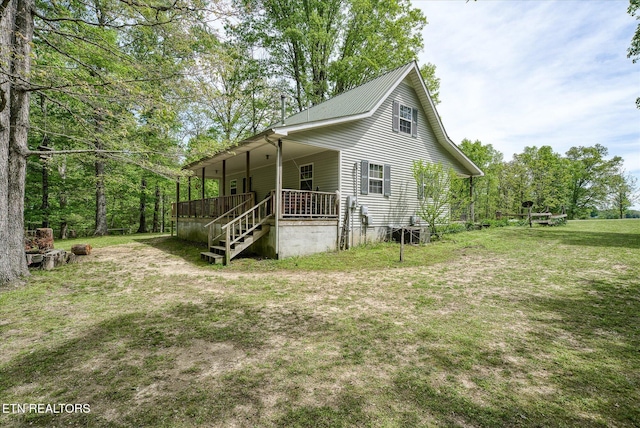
[523, 73]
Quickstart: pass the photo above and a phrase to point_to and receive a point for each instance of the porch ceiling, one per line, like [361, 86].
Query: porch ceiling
[261, 154]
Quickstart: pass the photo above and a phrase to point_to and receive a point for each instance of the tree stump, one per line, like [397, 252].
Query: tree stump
[54, 259]
[81, 249]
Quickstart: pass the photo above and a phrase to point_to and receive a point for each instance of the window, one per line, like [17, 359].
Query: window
[306, 177]
[233, 187]
[376, 176]
[405, 119]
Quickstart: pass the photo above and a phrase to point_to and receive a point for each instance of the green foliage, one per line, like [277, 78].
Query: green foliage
[577, 183]
[634, 49]
[589, 176]
[328, 47]
[428, 72]
[486, 189]
[435, 196]
[547, 174]
[622, 194]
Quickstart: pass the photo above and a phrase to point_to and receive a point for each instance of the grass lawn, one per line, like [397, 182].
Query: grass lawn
[498, 327]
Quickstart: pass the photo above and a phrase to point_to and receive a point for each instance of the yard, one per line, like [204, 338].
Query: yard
[499, 327]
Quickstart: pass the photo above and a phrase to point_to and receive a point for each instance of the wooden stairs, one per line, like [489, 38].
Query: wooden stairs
[240, 233]
[217, 253]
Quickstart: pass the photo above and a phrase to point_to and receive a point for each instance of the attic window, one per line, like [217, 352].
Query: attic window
[405, 119]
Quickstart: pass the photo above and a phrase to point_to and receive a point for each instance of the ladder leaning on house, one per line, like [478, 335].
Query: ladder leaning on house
[239, 233]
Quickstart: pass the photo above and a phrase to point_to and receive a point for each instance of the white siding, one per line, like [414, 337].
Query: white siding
[373, 139]
[325, 174]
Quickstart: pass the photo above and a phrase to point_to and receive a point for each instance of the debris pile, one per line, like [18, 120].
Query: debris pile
[41, 254]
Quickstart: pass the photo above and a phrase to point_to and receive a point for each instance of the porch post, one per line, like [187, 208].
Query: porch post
[247, 173]
[278, 202]
[202, 193]
[189, 196]
[177, 213]
[472, 213]
[222, 191]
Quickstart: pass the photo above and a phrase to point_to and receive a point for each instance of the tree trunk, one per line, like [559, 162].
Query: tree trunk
[15, 265]
[156, 211]
[101, 200]
[63, 229]
[6, 31]
[45, 195]
[143, 206]
[62, 198]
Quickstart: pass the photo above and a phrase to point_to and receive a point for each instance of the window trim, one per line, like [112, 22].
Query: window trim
[301, 180]
[405, 125]
[379, 180]
[398, 121]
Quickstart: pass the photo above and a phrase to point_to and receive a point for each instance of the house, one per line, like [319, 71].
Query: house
[332, 176]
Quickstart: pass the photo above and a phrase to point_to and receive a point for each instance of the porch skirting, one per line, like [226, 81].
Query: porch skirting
[192, 228]
[298, 237]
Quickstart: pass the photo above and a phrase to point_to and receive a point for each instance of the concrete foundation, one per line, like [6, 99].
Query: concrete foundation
[297, 237]
[192, 229]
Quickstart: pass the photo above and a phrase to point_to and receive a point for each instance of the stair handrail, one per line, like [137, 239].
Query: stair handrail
[209, 233]
[229, 228]
[227, 213]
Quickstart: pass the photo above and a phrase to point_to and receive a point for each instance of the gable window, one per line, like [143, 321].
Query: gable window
[405, 119]
[233, 187]
[375, 178]
[306, 177]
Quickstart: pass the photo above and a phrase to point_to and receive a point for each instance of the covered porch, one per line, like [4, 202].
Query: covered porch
[264, 188]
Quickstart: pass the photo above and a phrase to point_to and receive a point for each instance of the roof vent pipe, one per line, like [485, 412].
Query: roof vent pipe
[283, 99]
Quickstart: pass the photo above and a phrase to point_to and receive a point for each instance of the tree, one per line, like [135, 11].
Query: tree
[623, 192]
[16, 33]
[634, 49]
[233, 96]
[486, 190]
[93, 77]
[589, 176]
[434, 183]
[546, 174]
[428, 72]
[326, 47]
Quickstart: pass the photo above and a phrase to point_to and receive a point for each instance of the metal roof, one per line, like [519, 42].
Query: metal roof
[358, 100]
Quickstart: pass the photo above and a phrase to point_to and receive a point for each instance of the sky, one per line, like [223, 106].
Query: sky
[517, 73]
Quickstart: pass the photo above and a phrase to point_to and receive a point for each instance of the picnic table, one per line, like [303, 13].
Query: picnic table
[548, 219]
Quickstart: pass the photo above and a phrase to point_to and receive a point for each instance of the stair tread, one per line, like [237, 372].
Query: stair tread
[210, 254]
[212, 257]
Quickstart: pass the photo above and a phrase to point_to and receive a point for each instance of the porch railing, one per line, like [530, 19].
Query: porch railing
[308, 204]
[295, 204]
[212, 207]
